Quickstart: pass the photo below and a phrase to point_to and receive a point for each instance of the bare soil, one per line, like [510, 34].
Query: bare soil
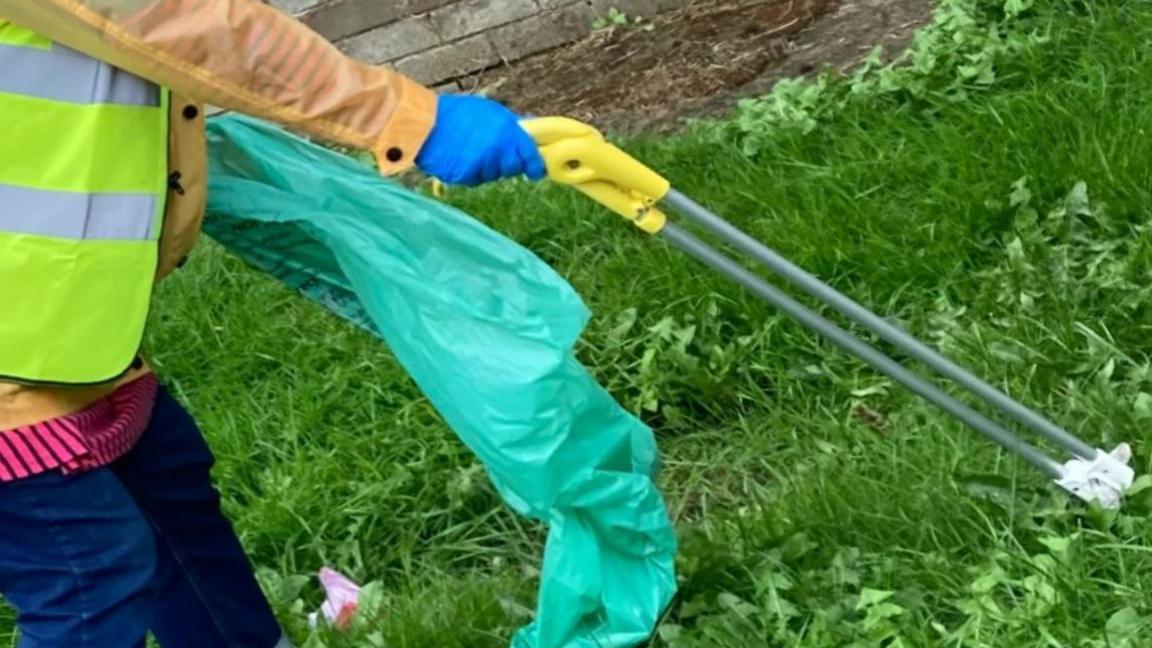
[698, 61]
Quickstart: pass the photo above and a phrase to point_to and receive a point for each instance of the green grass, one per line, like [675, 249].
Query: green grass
[950, 203]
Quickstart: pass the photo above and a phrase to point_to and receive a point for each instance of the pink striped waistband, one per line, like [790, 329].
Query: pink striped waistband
[93, 437]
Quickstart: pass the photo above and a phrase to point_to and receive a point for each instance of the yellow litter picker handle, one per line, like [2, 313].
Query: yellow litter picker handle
[577, 154]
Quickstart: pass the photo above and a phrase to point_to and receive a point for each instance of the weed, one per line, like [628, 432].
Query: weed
[960, 53]
[615, 18]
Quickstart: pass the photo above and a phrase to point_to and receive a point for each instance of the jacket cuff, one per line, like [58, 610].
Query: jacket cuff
[411, 122]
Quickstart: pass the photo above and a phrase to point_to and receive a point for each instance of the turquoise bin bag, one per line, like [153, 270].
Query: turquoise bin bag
[486, 329]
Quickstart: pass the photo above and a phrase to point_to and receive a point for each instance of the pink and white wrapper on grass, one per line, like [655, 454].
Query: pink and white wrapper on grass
[341, 602]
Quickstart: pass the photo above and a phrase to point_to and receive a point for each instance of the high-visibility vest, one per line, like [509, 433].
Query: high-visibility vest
[83, 178]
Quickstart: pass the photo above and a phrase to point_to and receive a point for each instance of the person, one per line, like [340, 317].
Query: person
[111, 528]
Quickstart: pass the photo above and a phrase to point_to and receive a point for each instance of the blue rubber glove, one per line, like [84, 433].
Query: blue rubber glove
[477, 140]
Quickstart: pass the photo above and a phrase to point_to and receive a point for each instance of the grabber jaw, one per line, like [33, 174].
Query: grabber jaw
[1103, 479]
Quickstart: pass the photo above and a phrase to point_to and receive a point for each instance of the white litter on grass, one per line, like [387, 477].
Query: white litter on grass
[1103, 479]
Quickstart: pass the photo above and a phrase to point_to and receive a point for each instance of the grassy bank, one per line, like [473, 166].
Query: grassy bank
[992, 195]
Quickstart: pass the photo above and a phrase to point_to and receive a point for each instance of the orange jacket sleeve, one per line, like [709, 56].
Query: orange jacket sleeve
[246, 56]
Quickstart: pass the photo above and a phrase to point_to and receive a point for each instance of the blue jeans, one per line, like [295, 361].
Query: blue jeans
[99, 559]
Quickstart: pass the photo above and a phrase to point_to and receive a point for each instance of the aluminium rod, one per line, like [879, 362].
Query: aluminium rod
[873, 322]
[698, 249]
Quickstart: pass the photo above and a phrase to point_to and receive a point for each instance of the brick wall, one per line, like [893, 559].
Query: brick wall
[438, 42]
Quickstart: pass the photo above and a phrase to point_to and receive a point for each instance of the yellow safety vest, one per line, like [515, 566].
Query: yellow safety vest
[83, 175]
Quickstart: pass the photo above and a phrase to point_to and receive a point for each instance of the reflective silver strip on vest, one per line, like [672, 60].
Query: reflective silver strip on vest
[78, 216]
[62, 74]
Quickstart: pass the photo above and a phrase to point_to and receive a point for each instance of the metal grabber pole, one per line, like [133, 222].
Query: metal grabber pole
[578, 155]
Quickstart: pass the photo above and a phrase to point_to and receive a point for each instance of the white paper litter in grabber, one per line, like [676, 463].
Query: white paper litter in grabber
[1103, 479]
